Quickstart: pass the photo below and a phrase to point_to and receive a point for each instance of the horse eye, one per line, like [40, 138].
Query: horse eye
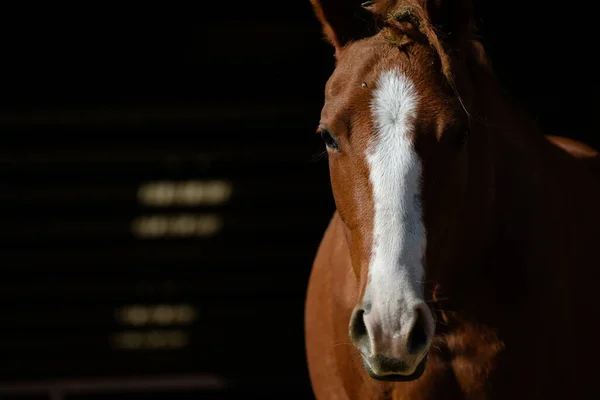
[329, 140]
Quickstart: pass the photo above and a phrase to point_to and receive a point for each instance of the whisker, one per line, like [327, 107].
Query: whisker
[425, 281]
[446, 311]
[436, 300]
[355, 359]
[342, 344]
[319, 156]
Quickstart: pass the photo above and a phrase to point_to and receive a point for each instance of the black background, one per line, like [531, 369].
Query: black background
[96, 100]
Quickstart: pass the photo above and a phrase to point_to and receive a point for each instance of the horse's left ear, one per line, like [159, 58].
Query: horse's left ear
[344, 21]
[453, 18]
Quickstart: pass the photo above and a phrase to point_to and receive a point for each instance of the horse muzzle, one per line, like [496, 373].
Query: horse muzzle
[393, 348]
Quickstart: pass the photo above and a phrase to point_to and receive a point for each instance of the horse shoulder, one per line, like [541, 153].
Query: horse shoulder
[319, 328]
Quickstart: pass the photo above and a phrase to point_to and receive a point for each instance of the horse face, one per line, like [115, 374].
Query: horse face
[395, 134]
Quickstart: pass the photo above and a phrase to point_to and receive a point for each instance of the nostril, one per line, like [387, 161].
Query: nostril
[358, 329]
[417, 339]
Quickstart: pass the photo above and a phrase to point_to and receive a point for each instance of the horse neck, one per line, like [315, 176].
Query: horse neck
[529, 238]
[509, 156]
[508, 167]
[501, 164]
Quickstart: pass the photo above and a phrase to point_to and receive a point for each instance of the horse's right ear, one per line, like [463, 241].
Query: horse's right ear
[345, 20]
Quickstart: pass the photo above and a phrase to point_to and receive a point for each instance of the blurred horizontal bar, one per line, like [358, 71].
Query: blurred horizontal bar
[250, 193]
[202, 113]
[210, 228]
[148, 286]
[185, 193]
[137, 165]
[183, 225]
[204, 381]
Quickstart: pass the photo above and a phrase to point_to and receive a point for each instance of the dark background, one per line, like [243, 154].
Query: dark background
[98, 101]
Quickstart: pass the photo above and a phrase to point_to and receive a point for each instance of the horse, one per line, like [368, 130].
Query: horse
[461, 261]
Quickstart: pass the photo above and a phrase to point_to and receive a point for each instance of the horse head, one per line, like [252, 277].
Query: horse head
[395, 123]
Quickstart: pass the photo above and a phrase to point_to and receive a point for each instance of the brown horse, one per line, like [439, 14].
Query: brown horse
[462, 260]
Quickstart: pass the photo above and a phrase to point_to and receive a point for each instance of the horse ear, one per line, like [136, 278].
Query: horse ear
[453, 18]
[344, 21]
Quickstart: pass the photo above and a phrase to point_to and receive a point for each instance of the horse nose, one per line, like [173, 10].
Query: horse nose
[392, 343]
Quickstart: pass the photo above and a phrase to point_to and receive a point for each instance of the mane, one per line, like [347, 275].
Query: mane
[453, 68]
[466, 69]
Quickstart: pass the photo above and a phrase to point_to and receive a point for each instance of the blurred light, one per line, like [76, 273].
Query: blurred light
[184, 314]
[135, 315]
[185, 193]
[183, 225]
[162, 314]
[155, 339]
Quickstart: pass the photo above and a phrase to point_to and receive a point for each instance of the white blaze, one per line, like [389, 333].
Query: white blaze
[396, 265]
